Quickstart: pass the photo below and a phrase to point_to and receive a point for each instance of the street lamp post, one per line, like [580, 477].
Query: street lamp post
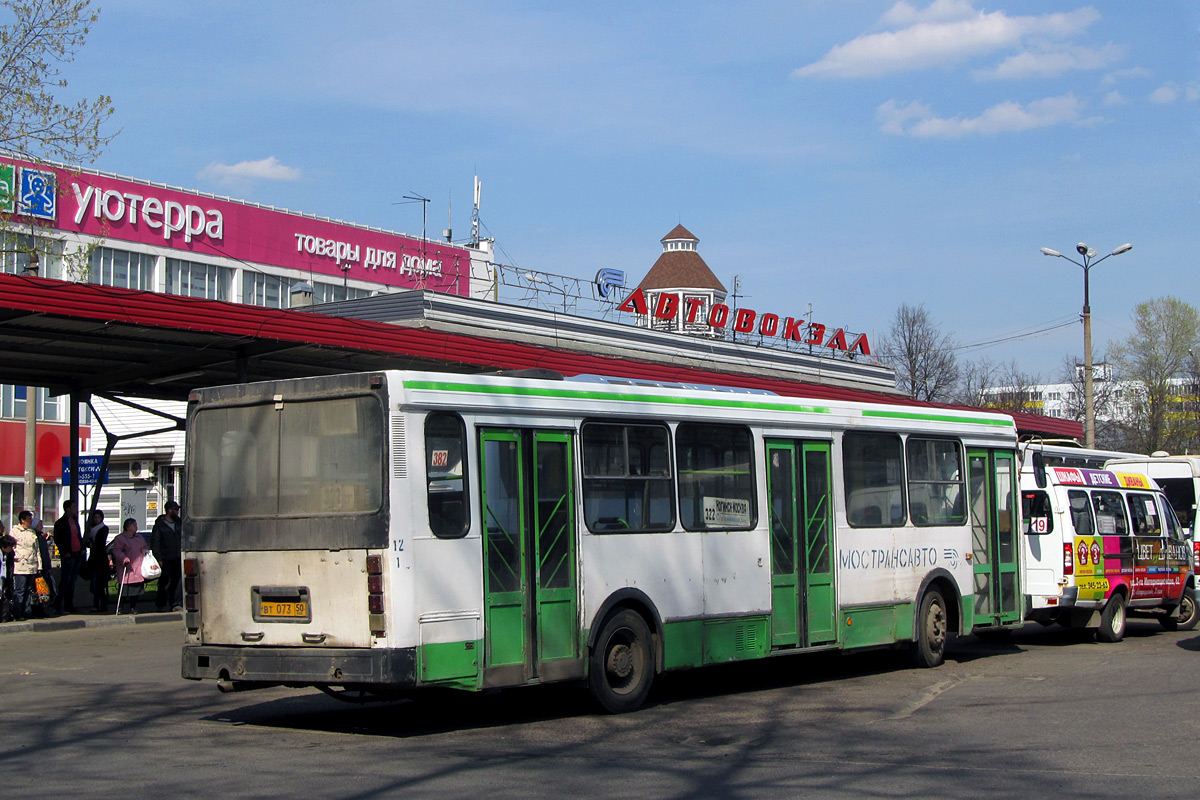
[1089, 397]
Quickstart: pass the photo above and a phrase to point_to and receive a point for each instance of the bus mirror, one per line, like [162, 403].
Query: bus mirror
[1039, 469]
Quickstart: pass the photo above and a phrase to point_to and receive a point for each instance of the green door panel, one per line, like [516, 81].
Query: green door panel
[530, 581]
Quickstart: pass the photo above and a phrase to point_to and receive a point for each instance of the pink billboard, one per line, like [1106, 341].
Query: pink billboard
[117, 209]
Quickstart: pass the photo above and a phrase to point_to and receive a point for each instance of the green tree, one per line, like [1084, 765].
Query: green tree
[1156, 360]
[36, 39]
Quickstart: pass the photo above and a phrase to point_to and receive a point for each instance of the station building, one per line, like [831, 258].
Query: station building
[82, 225]
[136, 240]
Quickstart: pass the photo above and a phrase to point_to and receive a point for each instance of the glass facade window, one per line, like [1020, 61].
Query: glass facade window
[334, 292]
[12, 502]
[270, 291]
[111, 267]
[16, 249]
[874, 469]
[193, 279]
[716, 477]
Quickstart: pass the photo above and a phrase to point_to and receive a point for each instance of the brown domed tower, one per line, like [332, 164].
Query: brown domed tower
[681, 271]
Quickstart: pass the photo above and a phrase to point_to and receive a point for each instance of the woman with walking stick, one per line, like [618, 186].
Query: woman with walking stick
[129, 548]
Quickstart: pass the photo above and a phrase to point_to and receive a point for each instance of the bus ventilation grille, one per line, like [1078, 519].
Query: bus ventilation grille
[745, 638]
[399, 455]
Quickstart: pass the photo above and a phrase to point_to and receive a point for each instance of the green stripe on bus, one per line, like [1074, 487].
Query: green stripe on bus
[936, 418]
[587, 394]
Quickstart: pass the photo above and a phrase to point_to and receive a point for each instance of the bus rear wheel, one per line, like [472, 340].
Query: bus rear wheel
[928, 649]
[1112, 620]
[621, 667]
[1185, 617]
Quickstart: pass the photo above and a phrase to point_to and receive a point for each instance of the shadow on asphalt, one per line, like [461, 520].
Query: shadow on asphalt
[437, 711]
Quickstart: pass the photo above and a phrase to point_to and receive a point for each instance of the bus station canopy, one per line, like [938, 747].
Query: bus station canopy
[83, 338]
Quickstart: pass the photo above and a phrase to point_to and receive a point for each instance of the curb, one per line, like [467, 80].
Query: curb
[76, 621]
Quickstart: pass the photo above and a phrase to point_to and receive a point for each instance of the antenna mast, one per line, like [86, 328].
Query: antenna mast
[475, 214]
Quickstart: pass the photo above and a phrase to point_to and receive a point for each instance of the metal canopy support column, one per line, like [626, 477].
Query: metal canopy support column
[74, 397]
[111, 439]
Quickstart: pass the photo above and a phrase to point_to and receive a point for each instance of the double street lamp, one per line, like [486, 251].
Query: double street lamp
[1088, 254]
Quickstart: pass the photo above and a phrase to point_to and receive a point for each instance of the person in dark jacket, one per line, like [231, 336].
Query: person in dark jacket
[68, 538]
[101, 569]
[165, 543]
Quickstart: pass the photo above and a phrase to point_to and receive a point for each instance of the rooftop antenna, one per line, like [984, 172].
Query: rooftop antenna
[448, 234]
[424, 201]
[737, 287]
[475, 214]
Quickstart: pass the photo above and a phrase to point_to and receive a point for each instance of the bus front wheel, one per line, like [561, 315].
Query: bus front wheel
[621, 667]
[928, 649]
[1112, 620]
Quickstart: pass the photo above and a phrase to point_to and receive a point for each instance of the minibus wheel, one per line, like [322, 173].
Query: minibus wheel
[1185, 617]
[622, 662]
[928, 649]
[1112, 620]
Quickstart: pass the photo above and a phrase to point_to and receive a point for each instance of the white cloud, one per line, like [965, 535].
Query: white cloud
[1123, 74]
[903, 14]
[1053, 61]
[1115, 98]
[267, 169]
[945, 33]
[1170, 92]
[1164, 94]
[917, 120]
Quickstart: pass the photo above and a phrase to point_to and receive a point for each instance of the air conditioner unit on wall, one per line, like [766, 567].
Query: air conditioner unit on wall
[141, 470]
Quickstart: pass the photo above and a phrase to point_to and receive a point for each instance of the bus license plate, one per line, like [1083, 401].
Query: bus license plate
[267, 608]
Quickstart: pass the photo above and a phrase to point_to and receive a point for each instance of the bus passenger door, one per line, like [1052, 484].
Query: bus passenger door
[802, 589]
[818, 539]
[530, 591]
[994, 554]
[555, 596]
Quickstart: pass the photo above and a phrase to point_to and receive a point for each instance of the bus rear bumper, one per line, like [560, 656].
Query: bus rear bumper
[301, 666]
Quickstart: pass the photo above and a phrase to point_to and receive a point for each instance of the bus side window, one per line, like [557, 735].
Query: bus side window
[1110, 514]
[1035, 511]
[446, 473]
[1081, 513]
[1170, 523]
[874, 475]
[1143, 513]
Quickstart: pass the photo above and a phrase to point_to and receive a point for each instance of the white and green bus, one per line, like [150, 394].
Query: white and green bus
[379, 533]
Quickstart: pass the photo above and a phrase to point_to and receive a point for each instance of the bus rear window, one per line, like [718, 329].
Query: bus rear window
[298, 459]
[1037, 514]
[1181, 494]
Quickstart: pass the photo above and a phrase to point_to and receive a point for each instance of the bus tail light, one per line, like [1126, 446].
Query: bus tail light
[191, 594]
[375, 602]
[1196, 556]
[1068, 559]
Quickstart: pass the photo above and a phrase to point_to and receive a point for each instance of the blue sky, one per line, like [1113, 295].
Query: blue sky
[850, 154]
